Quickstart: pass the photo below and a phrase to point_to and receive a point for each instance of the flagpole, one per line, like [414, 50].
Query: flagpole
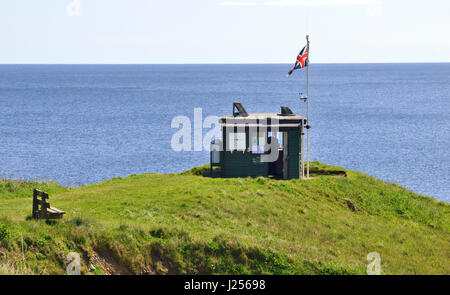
[302, 141]
[307, 107]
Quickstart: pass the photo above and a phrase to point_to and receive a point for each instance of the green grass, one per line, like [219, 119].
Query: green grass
[189, 224]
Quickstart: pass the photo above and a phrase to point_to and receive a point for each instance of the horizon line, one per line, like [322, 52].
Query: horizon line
[232, 63]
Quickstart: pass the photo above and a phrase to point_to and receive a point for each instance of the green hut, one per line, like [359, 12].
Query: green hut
[259, 144]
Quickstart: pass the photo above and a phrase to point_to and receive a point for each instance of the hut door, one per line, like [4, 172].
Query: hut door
[285, 155]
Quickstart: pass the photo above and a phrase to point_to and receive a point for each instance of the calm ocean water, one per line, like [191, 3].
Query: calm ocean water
[80, 124]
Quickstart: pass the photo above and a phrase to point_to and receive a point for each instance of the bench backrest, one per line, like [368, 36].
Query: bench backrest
[39, 202]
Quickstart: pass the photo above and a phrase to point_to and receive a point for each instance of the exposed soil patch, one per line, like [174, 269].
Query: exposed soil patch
[350, 205]
[3, 252]
[108, 263]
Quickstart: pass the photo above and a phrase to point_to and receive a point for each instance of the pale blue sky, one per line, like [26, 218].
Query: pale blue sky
[224, 31]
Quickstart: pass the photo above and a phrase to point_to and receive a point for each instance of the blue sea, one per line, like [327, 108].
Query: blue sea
[81, 124]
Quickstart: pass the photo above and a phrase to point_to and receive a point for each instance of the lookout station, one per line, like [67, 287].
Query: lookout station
[259, 144]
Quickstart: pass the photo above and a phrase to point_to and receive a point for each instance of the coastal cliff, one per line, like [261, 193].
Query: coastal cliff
[189, 223]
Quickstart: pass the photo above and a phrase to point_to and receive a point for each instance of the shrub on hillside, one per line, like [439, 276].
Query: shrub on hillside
[5, 234]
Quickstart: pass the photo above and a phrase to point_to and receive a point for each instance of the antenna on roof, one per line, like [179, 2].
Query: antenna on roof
[240, 110]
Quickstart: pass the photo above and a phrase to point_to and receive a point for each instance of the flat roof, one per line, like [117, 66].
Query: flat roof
[261, 116]
[281, 127]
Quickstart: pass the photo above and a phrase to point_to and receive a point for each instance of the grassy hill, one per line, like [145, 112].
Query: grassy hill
[189, 224]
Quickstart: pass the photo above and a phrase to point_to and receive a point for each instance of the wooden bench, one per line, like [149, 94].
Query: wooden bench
[42, 209]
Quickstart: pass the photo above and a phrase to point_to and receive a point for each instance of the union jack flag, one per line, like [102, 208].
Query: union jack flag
[301, 62]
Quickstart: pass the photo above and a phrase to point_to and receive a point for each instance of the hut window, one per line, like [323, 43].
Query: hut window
[257, 141]
[236, 141]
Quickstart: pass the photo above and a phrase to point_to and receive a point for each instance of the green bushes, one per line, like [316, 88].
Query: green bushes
[5, 235]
